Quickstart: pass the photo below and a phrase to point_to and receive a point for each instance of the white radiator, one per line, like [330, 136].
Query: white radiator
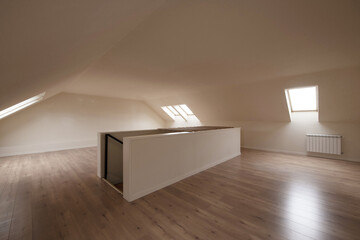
[324, 143]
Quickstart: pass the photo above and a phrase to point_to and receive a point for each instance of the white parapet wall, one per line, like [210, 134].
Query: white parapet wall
[155, 161]
[114, 148]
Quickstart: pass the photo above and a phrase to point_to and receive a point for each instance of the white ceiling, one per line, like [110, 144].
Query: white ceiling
[43, 44]
[189, 45]
[161, 50]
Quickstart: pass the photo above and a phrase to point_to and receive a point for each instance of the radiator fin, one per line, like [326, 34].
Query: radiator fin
[324, 143]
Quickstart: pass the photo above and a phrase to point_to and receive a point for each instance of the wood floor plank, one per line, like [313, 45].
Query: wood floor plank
[259, 195]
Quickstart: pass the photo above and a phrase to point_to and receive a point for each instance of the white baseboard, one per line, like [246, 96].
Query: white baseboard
[135, 196]
[300, 153]
[48, 147]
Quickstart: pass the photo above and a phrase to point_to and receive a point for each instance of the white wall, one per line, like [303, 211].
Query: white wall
[71, 121]
[289, 137]
[115, 153]
[261, 111]
[155, 161]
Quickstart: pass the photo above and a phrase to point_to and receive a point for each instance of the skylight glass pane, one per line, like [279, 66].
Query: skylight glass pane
[8, 111]
[303, 99]
[172, 109]
[178, 112]
[182, 112]
[186, 109]
[168, 112]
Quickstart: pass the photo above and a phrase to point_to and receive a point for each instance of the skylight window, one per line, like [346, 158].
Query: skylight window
[302, 99]
[10, 110]
[186, 109]
[181, 111]
[168, 112]
[172, 109]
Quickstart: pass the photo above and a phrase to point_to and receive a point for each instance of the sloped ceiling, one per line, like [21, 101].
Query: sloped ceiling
[190, 45]
[212, 55]
[43, 43]
[339, 98]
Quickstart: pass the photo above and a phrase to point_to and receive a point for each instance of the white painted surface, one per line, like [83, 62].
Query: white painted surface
[68, 121]
[114, 150]
[156, 161]
[290, 137]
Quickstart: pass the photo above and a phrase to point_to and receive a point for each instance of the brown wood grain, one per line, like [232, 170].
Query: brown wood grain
[259, 195]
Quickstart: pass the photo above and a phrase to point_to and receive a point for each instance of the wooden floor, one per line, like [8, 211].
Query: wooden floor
[119, 186]
[259, 195]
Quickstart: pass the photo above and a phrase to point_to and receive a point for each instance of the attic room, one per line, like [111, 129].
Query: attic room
[164, 119]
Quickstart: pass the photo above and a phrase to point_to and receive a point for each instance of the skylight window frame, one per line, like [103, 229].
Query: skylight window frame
[168, 112]
[180, 110]
[173, 110]
[288, 97]
[186, 109]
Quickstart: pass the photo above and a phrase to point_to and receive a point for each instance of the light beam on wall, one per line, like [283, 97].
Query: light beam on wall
[24, 104]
